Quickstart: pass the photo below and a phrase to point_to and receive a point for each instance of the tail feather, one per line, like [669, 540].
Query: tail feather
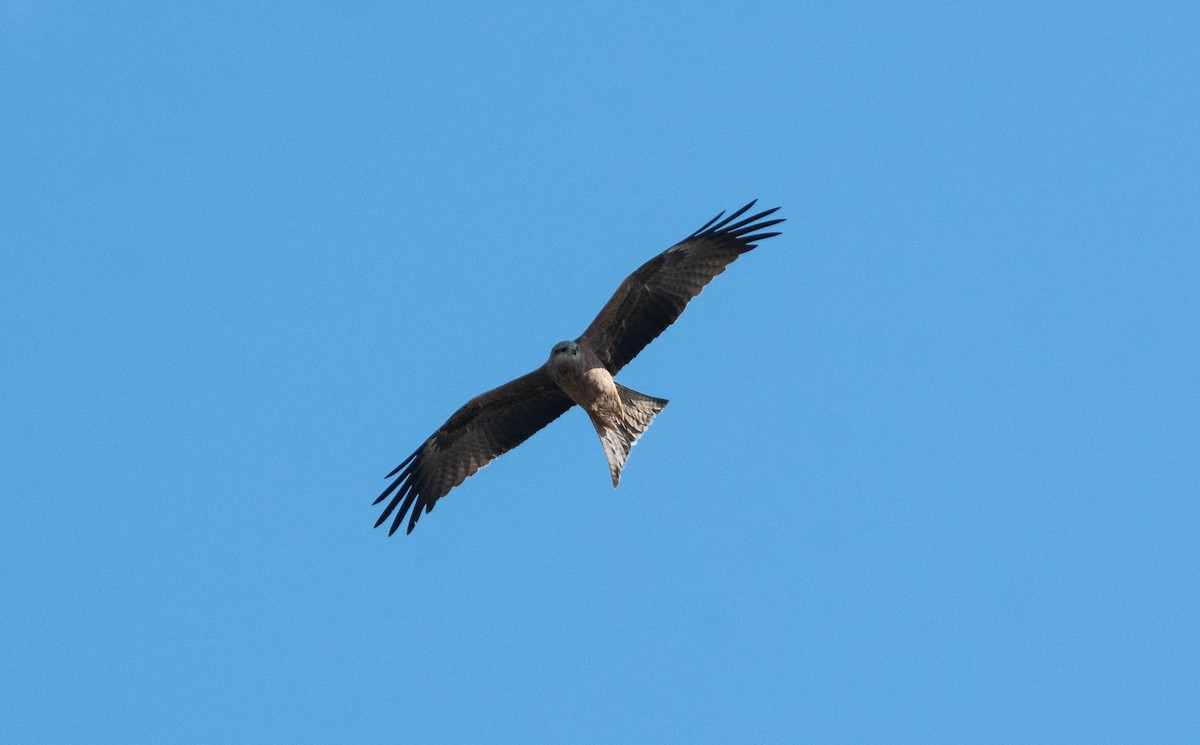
[639, 410]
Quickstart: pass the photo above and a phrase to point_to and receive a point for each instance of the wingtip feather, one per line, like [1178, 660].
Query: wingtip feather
[741, 211]
[752, 240]
[407, 460]
[413, 496]
[751, 223]
[727, 225]
[706, 225]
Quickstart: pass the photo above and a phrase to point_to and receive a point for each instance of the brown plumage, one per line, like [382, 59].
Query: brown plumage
[579, 372]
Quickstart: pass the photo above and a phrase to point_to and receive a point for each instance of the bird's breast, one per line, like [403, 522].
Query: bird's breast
[586, 386]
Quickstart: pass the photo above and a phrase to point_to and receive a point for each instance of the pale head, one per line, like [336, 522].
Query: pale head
[566, 358]
[568, 348]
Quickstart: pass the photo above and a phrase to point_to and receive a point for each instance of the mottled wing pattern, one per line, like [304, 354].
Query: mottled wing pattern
[486, 427]
[651, 298]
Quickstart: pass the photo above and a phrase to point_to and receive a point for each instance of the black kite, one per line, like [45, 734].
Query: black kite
[578, 372]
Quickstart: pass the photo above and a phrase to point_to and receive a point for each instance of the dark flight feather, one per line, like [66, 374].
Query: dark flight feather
[654, 296]
[486, 427]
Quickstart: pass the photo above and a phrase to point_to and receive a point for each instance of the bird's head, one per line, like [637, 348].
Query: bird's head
[565, 347]
[565, 353]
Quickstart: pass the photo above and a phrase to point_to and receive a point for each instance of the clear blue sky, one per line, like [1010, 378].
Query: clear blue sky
[931, 468]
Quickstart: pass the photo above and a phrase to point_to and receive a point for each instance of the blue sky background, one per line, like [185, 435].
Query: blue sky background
[930, 473]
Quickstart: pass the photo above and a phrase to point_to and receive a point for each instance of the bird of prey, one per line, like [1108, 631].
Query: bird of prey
[578, 372]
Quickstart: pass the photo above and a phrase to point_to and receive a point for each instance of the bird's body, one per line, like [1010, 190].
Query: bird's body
[578, 372]
[576, 369]
[619, 414]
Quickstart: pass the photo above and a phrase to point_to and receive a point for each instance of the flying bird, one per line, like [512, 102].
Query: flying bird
[577, 372]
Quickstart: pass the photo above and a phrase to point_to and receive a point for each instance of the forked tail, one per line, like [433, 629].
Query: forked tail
[638, 411]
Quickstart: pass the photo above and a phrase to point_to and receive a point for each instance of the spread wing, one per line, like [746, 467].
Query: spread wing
[486, 427]
[650, 299]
